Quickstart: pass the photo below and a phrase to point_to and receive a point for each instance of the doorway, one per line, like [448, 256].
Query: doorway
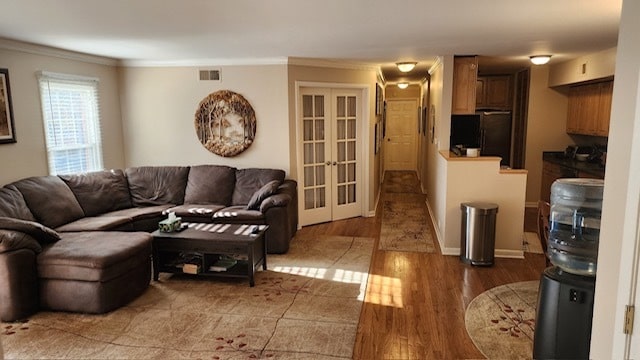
[401, 135]
[330, 160]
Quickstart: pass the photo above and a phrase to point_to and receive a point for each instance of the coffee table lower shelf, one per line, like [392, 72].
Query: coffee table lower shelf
[204, 248]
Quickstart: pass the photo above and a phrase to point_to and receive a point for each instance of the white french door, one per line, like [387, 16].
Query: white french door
[329, 160]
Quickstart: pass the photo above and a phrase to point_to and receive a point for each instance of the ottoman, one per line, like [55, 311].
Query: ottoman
[94, 271]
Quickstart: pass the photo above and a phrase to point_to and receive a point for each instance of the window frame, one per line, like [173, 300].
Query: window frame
[79, 123]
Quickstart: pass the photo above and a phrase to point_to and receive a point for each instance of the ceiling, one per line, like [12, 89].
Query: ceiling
[370, 32]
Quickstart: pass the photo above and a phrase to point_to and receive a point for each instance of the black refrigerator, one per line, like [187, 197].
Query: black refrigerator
[495, 135]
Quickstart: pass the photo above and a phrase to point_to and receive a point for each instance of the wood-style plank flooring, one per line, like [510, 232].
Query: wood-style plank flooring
[415, 302]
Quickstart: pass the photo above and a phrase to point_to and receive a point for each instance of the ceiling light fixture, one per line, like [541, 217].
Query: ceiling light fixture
[403, 85]
[540, 59]
[406, 66]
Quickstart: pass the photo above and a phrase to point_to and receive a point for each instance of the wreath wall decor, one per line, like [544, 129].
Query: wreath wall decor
[225, 123]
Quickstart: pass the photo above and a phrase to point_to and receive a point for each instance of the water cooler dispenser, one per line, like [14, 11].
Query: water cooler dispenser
[565, 300]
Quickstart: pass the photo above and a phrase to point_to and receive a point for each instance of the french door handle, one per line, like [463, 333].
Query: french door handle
[335, 163]
[328, 163]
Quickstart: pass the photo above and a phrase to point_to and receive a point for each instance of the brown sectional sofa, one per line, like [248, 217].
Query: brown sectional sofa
[81, 242]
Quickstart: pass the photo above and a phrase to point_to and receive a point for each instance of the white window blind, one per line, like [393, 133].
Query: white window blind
[71, 122]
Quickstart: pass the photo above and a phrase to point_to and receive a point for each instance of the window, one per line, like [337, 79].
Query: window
[71, 123]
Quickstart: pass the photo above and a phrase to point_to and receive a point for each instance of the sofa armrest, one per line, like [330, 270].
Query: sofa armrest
[11, 240]
[275, 200]
[41, 233]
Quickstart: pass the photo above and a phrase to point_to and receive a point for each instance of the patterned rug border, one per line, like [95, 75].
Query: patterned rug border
[500, 328]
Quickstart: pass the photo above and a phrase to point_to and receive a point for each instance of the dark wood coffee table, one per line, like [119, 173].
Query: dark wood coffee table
[207, 243]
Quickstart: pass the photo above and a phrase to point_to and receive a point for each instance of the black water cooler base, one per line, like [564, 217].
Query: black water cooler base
[563, 319]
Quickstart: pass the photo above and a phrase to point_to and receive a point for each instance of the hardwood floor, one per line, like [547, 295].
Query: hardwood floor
[415, 302]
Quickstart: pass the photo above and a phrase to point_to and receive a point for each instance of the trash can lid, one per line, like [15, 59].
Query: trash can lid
[479, 206]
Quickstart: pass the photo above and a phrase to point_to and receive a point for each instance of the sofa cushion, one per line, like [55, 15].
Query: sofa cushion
[98, 223]
[93, 255]
[264, 192]
[139, 213]
[248, 181]
[210, 184]
[50, 200]
[43, 234]
[12, 204]
[157, 185]
[100, 192]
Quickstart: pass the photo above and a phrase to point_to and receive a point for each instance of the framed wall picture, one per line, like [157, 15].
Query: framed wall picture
[7, 129]
[378, 99]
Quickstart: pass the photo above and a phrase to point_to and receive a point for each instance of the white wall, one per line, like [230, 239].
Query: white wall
[620, 214]
[158, 113]
[546, 127]
[471, 180]
[28, 157]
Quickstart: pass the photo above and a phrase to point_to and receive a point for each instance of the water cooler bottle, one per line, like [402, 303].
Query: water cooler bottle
[565, 300]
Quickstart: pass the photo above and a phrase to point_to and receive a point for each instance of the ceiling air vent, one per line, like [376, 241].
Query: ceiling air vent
[210, 75]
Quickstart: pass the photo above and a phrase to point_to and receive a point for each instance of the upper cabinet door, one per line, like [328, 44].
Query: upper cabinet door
[465, 76]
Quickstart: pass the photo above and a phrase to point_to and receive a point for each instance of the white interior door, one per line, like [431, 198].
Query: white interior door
[329, 158]
[400, 137]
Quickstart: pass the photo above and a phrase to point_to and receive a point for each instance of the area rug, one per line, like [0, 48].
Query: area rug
[401, 182]
[501, 321]
[405, 224]
[307, 305]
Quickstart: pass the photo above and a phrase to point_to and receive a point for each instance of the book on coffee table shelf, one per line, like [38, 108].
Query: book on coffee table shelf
[223, 263]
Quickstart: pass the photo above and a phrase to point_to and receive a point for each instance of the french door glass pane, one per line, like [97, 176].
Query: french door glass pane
[341, 151]
[352, 193]
[308, 130]
[320, 175]
[342, 196]
[351, 150]
[319, 106]
[351, 101]
[341, 129]
[308, 153]
[351, 172]
[321, 195]
[319, 152]
[308, 176]
[342, 178]
[351, 130]
[307, 105]
[309, 199]
[341, 107]
[320, 129]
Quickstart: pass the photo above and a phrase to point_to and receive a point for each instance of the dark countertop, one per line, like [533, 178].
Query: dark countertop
[557, 157]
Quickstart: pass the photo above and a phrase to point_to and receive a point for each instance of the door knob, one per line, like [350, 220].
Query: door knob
[388, 139]
[335, 163]
[328, 162]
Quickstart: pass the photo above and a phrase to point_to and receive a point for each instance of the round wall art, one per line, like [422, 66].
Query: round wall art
[225, 123]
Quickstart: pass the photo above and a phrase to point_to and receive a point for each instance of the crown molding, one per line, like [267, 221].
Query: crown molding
[36, 49]
[203, 62]
[328, 63]
[439, 61]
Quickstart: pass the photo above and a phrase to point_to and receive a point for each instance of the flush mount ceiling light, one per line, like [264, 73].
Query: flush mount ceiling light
[403, 85]
[406, 66]
[540, 59]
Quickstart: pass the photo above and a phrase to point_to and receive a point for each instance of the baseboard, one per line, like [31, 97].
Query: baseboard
[436, 229]
[499, 253]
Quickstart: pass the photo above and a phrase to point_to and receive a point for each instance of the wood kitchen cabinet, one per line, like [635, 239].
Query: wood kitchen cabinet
[589, 109]
[550, 173]
[494, 92]
[465, 76]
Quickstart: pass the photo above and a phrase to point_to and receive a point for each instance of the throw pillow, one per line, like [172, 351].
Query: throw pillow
[264, 192]
[43, 234]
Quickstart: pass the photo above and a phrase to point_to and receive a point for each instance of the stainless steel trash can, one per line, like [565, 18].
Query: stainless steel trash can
[478, 233]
